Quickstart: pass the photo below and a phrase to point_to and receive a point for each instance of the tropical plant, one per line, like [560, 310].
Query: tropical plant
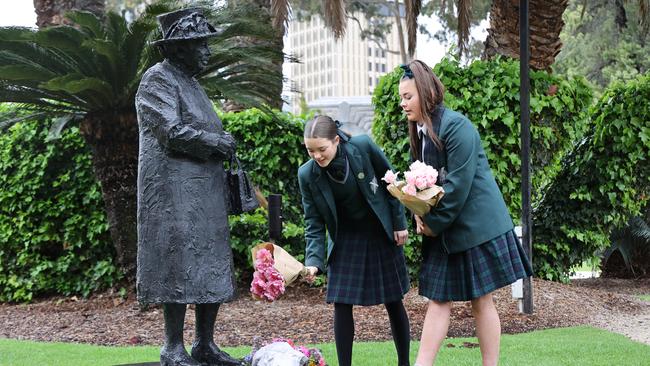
[89, 73]
[632, 244]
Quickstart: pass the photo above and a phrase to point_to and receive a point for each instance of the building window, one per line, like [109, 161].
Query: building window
[383, 53]
[370, 81]
[369, 66]
[369, 51]
[383, 67]
[377, 66]
[376, 52]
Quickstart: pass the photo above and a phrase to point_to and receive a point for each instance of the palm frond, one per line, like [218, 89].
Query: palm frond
[96, 64]
[334, 16]
[280, 10]
[464, 24]
[413, 8]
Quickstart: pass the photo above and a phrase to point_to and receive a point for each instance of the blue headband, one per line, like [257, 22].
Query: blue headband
[408, 73]
[340, 133]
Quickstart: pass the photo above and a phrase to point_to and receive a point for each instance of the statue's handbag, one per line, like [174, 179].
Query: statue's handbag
[241, 193]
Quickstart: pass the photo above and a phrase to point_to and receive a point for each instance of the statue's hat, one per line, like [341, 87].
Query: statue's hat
[183, 25]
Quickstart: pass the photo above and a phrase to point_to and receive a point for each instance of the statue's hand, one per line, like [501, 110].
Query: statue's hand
[227, 145]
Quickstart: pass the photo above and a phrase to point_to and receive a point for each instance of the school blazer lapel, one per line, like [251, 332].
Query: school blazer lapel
[322, 186]
[357, 169]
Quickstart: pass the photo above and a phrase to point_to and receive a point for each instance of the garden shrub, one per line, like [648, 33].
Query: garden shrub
[603, 181]
[271, 150]
[487, 92]
[53, 231]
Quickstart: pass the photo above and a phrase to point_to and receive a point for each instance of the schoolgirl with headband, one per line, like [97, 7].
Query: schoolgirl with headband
[354, 230]
[469, 248]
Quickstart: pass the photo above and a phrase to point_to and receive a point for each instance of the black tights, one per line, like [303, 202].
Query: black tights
[344, 332]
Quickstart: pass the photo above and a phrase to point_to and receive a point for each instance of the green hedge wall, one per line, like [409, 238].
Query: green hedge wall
[53, 232]
[487, 92]
[602, 182]
[271, 150]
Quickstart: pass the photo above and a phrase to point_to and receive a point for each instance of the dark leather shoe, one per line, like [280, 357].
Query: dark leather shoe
[211, 355]
[177, 358]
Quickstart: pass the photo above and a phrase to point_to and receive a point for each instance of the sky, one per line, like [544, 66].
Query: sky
[20, 12]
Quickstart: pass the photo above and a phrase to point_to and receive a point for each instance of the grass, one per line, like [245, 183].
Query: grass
[591, 265]
[562, 346]
[644, 297]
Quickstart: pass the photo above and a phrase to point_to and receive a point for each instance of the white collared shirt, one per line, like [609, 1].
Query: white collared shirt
[422, 128]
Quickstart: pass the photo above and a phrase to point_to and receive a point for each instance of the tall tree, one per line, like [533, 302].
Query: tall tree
[546, 23]
[604, 45]
[88, 74]
[52, 12]
[545, 26]
[457, 19]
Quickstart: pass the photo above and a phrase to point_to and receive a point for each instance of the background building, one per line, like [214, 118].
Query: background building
[336, 71]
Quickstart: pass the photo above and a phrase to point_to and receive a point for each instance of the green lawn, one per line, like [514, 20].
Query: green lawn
[563, 346]
[644, 297]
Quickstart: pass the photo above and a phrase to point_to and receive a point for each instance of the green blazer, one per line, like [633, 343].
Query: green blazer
[472, 210]
[368, 164]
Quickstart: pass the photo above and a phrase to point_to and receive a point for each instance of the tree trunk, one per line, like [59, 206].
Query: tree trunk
[545, 19]
[52, 12]
[400, 32]
[113, 138]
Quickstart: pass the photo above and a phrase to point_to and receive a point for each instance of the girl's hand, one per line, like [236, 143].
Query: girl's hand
[400, 236]
[422, 228]
[310, 274]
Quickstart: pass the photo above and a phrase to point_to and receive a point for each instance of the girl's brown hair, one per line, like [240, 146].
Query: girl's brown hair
[431, 93]
[323, 127]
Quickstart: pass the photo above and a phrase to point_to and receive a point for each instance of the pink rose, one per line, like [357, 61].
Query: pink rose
[390, 177]
[409, 189]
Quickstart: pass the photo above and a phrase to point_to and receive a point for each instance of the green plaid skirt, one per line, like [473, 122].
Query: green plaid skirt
[473, 273]
[366, 268]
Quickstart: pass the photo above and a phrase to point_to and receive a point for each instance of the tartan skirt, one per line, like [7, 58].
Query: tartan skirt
[472, 273]
[366, 268]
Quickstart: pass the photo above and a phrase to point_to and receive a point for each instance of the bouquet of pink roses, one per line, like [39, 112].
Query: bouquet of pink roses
[418, 192]
[275, 268]
[268, 283]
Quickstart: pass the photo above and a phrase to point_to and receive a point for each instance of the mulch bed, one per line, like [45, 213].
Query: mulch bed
[303, 315]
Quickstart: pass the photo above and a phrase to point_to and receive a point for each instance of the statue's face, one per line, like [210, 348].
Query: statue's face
[193, 55]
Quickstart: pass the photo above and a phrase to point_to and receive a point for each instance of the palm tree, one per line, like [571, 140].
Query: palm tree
[545, 26]
[52, 12]
[88, 73]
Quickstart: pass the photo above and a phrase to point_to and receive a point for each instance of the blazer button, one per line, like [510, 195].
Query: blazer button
[361, 175]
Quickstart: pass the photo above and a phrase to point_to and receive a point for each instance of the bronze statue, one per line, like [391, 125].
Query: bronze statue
[184, 253]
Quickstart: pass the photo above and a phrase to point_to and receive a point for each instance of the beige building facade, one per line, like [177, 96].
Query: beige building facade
[348, 67]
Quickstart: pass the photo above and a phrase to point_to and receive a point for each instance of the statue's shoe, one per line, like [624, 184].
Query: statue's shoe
[211, 355]
[181, 358]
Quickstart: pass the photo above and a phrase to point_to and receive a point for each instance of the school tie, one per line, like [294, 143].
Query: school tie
[428, 151]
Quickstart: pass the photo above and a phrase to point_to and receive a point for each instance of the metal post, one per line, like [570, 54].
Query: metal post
[275, 217]
[524, 103]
